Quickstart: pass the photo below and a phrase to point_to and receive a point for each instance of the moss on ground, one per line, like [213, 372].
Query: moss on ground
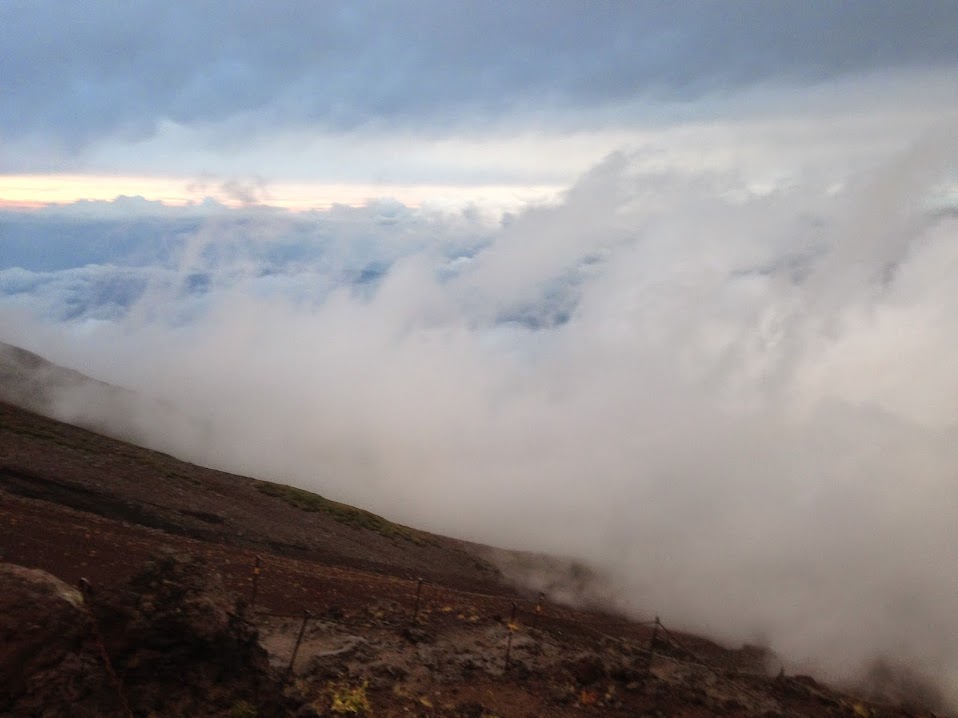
[344, 513]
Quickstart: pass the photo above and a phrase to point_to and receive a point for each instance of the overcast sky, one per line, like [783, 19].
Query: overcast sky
[442, 93]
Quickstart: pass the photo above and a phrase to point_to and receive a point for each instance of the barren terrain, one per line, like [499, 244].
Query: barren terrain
[78, 505]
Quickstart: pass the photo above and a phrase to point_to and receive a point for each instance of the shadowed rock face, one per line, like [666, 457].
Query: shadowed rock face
[173, 635]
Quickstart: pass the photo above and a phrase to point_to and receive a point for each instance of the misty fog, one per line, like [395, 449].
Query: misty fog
[740, 404]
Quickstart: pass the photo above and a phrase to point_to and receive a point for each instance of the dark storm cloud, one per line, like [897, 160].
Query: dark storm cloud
[74, 72]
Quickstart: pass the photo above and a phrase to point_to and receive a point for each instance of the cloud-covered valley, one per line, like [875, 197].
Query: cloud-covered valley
[739, 404]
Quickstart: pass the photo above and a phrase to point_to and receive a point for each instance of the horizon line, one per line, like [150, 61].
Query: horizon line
[40, 190]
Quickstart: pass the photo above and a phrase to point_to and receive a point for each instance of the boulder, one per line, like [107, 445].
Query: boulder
[170, 641]
[50, 663]
[178, 640]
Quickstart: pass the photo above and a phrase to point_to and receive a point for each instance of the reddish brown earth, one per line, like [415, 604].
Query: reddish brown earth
[77, 504]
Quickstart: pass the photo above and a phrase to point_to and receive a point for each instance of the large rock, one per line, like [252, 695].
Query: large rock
[50, 664]
[174, 643]
[181, 646]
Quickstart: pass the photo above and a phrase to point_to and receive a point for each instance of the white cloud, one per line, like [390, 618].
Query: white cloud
[735, 402]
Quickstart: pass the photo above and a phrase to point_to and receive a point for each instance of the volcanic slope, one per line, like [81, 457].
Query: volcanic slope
[75, 503]
[70, 469]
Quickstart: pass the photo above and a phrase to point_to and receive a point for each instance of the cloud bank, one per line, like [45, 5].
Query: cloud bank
[342, 65]
[737, 403]
[296, 90]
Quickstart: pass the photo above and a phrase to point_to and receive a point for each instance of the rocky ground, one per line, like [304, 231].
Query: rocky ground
[168, 642]
[173, 640]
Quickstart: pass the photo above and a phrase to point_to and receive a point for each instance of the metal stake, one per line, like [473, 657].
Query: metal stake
[655, 637]
[535, 616]
[299, 639]
[415, 611]
[512, 628]
[256, 570]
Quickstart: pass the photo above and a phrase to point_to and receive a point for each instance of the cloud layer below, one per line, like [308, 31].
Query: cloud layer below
[738, 403]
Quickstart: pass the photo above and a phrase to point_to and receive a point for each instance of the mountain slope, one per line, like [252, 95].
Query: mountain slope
[44, 459]
[80, 504]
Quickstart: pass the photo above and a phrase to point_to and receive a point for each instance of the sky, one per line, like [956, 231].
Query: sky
[665, 287]
[172, 102]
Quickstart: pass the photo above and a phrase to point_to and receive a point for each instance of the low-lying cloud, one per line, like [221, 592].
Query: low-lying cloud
[740, 406]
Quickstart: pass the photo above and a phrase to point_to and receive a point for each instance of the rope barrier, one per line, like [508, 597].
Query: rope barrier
[538, 623]
[537, 614]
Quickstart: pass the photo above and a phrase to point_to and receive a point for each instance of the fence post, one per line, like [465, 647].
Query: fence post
[512, 628]
[652, 642]
[256, 571]
[535, 616]
[415, 610]
[299, 640]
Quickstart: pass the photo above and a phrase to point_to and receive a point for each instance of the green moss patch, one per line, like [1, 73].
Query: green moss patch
[344, 513]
